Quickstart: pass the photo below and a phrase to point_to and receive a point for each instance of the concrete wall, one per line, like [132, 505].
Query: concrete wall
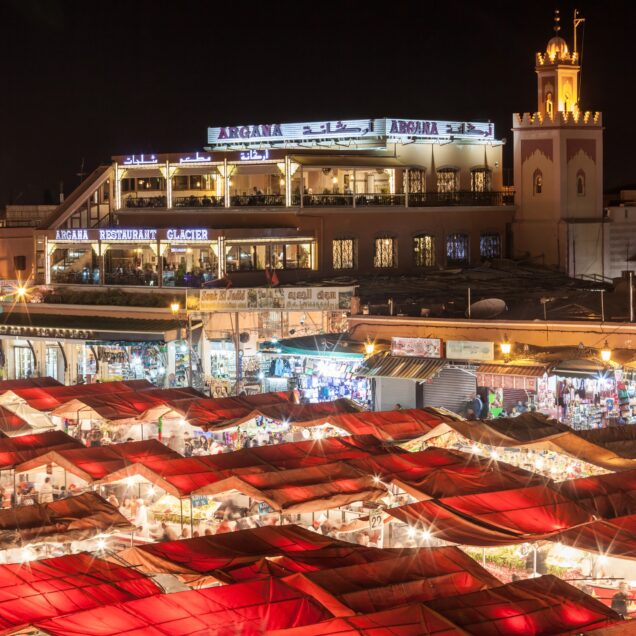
[16, 242]
[390, 391]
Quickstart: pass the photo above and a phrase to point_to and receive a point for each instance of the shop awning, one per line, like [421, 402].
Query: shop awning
[509, 376]
[70, 519]
[97, 328]
[335, 345]
[46, 588]
[581, 368]
[384, 365]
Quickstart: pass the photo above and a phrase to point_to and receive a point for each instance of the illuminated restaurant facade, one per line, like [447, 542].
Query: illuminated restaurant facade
[309, 200]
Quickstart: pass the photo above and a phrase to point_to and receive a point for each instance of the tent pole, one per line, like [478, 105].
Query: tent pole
[15, 491]
[181, 506]
[191, 518]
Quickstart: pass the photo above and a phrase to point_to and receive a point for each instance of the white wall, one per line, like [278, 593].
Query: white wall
[390, 391]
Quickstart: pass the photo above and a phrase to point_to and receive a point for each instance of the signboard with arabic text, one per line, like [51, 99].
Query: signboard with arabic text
[416, 347]
[467, 350]
[276, 298]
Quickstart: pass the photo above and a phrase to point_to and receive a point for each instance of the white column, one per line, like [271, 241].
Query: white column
[117, 187]
[168, 186]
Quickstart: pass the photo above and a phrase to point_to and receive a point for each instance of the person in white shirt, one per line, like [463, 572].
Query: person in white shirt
[46, 491]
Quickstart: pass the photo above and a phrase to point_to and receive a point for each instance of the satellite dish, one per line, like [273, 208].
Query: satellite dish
[488, 308]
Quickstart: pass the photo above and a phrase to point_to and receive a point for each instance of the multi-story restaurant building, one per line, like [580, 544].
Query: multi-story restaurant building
[309, 200]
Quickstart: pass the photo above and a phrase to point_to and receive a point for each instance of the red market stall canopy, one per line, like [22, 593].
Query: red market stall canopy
[250, 608]
[409, 620]
[36, 590]
[127, 405]
[27, 383]
[544, 605]
[73, 518]
[12, 424]
[611, 448]
[223, 413]
[597, 514]
[16, 450]
[91, 464]
[402, 424]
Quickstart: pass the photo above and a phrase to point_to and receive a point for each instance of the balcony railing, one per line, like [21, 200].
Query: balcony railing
[199, 202]
[146, 202]
[434, 199]
[364, 199]
[266, 200]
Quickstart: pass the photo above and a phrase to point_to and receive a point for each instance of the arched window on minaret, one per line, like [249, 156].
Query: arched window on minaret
[548, 104]
[580, 183]
[537, 180]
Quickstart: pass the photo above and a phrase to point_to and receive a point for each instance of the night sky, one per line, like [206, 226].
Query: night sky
[86, 80]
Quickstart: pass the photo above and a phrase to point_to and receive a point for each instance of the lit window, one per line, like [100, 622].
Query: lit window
[385, 253]
[457, 249]
[580, 183]
[424, 250]
[490, 245]
[538, 182]
[447, 180]
[298, 256]
[480, 180]
[343, 253]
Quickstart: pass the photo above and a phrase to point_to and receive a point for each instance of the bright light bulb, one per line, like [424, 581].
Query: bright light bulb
[410, 533]
[475, 448]
[376, 479]
[101, 544]
[425, 534]
[151, 491]
[494, 454]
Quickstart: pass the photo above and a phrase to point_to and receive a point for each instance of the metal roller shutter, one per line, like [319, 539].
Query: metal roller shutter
[451, 389]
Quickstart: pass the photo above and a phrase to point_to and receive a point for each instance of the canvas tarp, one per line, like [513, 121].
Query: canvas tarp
[244, 608]
[73, 518]
[35, 590]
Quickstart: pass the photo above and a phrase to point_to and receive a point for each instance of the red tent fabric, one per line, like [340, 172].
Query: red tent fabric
[248, 608]
[52, 587]
[95, 463]
[8, 385]
[496, 518]
[67, 519]
[410, 620]
[402, 424]
[544, 605]
[371, 587]
[206, 555]
[12, 424]
[15, 450]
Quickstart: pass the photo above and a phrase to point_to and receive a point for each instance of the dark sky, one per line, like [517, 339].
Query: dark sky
[87, 80]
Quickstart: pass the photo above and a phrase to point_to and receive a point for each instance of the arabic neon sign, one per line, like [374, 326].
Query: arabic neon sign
[341, 129]
[254, 155]
[140, 160]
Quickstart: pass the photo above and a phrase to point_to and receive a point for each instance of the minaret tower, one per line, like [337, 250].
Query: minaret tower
[558, 76]
[558, 167]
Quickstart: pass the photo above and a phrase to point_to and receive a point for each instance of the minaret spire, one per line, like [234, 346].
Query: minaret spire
[557, 21]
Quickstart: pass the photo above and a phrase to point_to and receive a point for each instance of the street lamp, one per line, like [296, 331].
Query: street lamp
[369, 348]
[174, 308]
[606, 353]
[505, 346]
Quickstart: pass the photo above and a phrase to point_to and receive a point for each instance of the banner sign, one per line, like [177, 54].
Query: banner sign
[416, 347]
[348, 129]
[466, 350]
[281, 298]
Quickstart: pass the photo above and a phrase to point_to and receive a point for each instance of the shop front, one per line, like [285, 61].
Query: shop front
[78, 349]
[513, 388]
[318, 367]
[583, 394]
[168, 257]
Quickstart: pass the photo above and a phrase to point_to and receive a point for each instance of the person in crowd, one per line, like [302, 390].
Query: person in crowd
[46, 491]
[620, 600]
[521, 407]
[113, 501]
[126, 509]
[397, 407]
[475, 407]
[141, 517]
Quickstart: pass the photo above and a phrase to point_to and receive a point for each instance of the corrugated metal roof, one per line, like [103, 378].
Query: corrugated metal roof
[385, 365]
[508, 369]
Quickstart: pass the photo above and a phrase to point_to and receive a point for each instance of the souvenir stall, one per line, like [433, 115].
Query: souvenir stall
[116, 361]
[318, 379]
[586, 394]
[511, 388]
